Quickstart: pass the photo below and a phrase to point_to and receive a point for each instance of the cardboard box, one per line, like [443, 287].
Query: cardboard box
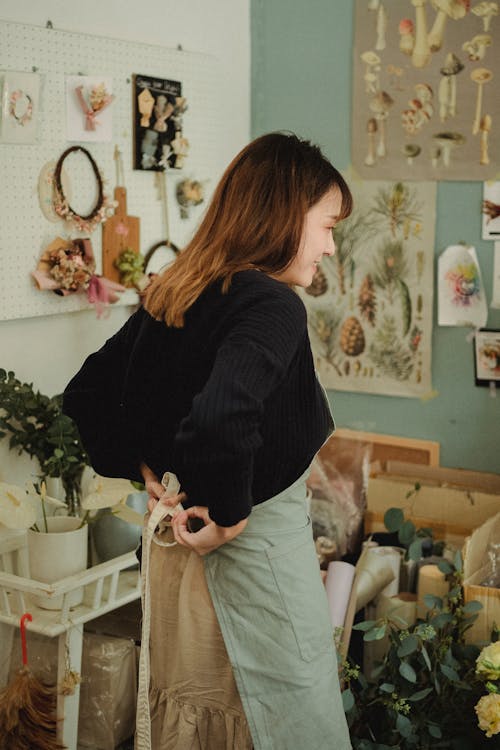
[476, 569]
[108, 688]
[452, 502]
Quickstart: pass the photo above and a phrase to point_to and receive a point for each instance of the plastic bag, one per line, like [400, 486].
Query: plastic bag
[338, 482]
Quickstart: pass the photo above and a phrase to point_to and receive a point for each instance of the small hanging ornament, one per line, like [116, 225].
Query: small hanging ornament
[70, 680]
[131, 267]
[189, 193]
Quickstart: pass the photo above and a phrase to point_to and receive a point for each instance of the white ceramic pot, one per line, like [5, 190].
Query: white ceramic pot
[60, 553]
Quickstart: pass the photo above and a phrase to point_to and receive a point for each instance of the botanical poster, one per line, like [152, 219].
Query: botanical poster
[425, 99]
[370, 304]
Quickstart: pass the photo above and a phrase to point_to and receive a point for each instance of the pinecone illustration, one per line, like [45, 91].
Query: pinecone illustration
[319, 284]
[367, 301]
[352, 337]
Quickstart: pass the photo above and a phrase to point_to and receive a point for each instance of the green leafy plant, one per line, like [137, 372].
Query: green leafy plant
[424, 692]
[37, 426]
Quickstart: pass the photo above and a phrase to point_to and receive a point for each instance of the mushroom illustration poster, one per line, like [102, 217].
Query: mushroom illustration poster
[370, 304]
[20, 93]
[461, 296]
[425, 99]
[158, 113]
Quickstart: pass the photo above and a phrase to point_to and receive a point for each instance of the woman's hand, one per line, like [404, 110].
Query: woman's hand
[210, 537]
[156, 490]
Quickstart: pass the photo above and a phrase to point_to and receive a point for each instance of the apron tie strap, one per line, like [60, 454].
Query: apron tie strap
[143, 716]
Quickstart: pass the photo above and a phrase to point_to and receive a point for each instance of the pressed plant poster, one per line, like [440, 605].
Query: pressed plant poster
[425, 90]
[370, 304]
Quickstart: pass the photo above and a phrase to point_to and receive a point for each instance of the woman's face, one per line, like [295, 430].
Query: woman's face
[317, 240]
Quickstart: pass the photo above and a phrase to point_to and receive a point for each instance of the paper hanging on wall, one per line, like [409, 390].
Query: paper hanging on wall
[461, 297]
[369, 306]
[20, 95]
[89, 108]
[495, 294]
[425, 101]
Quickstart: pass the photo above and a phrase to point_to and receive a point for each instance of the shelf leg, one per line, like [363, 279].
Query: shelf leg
[70, 645]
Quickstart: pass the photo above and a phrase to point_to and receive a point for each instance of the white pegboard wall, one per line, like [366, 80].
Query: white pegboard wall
[53, 54]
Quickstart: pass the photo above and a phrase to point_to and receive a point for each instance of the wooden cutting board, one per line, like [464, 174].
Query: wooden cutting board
[118, 233]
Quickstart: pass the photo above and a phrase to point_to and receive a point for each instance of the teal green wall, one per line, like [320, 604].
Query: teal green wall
[301, 81]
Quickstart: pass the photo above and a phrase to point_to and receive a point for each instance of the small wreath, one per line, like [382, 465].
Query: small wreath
[154, 248]
[102, 207]
[28, 112]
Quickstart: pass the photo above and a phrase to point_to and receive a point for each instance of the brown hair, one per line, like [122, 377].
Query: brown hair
[255, 220]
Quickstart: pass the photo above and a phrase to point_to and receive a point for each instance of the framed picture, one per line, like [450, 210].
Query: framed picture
[20, 94]
[158, 110]
[491, 210]
[89, 114]
[487, 356]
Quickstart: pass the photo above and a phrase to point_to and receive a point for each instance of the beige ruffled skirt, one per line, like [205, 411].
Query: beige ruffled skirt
[194, 701]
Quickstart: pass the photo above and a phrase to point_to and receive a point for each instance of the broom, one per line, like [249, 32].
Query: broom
[28, 719]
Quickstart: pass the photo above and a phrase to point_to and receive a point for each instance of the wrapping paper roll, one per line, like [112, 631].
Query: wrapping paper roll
[393, 556]
[339, 579]
[430, 581]
[374, 574]
[403, 606]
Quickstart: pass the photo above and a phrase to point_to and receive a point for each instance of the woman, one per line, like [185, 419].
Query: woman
[214, 381]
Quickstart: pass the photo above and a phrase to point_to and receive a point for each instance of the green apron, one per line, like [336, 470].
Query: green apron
[273, 613]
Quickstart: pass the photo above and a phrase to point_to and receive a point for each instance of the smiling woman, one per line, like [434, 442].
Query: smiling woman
[317, 240]
[216, 374]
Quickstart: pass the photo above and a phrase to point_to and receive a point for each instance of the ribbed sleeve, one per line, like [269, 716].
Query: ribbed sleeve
[93, 399]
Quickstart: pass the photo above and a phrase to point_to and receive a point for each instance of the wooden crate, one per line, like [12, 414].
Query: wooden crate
[450, 501]
[476, 570]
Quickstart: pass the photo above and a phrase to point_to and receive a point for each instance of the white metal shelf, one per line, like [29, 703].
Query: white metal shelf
[106, 587]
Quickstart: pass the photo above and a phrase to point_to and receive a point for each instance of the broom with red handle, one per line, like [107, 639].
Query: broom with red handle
[28, 719]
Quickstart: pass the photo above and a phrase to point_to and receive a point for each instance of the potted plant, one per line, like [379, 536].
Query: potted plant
[38, 427]
[428, 688]
[57, 544]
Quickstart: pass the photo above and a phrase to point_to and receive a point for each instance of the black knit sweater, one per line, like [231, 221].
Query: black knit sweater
[230, 402]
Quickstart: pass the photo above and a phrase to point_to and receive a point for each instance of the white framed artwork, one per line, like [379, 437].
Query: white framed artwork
[20, 98]
[89, 111]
